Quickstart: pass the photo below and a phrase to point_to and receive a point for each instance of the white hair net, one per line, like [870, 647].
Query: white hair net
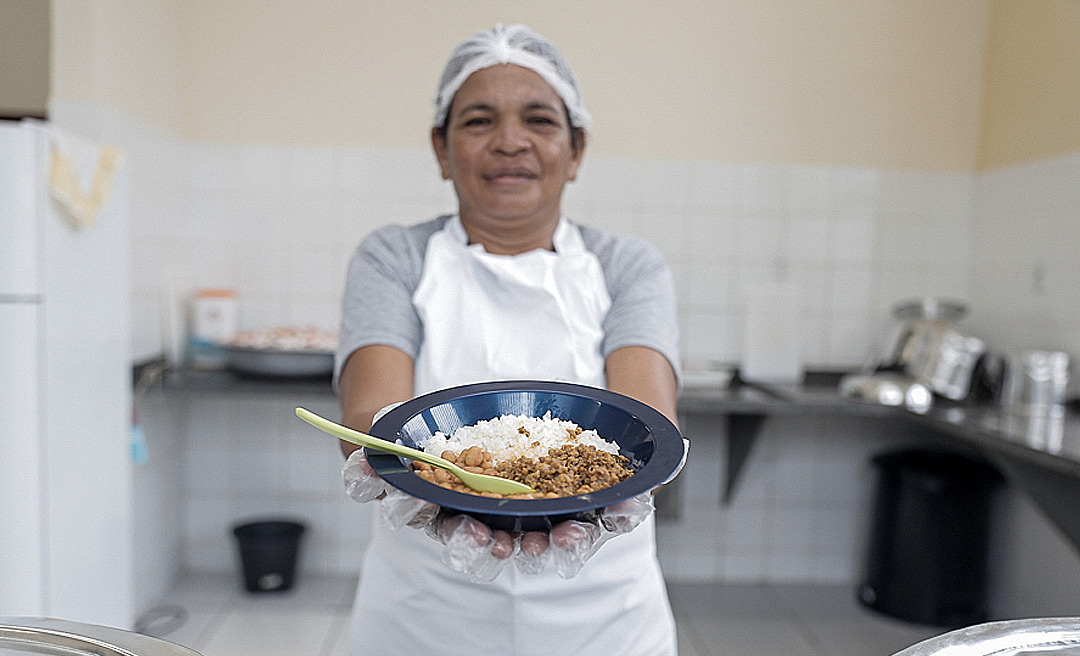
[513, 44]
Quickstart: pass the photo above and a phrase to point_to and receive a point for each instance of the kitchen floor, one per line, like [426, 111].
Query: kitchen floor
[214, 616]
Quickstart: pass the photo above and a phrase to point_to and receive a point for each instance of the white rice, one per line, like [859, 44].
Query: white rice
[502, 438]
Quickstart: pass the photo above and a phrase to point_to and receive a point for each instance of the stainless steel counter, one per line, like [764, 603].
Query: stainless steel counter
[225, 382]
[1046, 440]
[1051, 439]
[1040, 453]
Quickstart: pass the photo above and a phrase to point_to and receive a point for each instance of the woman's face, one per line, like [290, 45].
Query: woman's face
[508, 150]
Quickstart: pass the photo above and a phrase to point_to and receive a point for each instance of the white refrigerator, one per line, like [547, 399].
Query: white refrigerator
[65, 386]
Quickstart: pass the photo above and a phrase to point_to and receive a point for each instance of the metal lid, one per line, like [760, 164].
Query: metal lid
[28, 635]
[930, 308]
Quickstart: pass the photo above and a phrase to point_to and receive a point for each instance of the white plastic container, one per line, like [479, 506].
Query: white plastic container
[214, 314]
[214, 319]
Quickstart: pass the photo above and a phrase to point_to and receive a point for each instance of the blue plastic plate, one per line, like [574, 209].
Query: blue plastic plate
[647, 438]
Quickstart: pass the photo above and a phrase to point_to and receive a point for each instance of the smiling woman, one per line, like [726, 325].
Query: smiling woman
[509, 148]
[507, 289]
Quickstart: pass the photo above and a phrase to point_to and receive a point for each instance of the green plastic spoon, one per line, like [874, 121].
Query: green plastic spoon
[478, 482]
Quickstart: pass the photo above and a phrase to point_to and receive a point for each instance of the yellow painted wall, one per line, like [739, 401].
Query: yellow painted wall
[124, 54]
[962, 84]
[850, 82]
[24, 57]
[1031, 103]
[880, 83]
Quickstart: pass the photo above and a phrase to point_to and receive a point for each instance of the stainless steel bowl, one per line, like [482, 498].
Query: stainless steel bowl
[32, 635]
[1024, 637]
[930, 308]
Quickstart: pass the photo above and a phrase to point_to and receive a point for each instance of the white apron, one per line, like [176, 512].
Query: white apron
[490, 317]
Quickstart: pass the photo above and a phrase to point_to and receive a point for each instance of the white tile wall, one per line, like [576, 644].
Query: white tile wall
[245, 458]
[797, 514]
[278, 224]
[798, 511]
[1025, 278]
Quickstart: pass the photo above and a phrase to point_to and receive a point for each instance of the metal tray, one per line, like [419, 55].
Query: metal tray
[279, 363]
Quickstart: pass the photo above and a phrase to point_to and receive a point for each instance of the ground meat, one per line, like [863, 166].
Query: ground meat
[568, 470]
[563, 472]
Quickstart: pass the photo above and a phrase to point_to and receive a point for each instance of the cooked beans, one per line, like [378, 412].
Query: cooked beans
[566, 471]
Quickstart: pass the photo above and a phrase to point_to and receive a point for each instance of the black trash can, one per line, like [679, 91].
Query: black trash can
[929, 540]
[268, 553]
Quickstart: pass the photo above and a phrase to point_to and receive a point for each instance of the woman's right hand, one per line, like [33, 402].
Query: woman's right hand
[469, 546]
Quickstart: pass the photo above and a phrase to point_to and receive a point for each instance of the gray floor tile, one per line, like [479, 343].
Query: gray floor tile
[813, 602]
[869, 638]
[311, 592]
[193, 631]
[205, 592]
[755, 637]
[726, 601]
[247, 632]
[690, 641]
[713, 620]
[339, 638]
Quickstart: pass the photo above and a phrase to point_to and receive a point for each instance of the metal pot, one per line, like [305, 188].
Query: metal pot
[1035, 379]
[940, 357]
[908, 318]
[28, 635]
[925, 345]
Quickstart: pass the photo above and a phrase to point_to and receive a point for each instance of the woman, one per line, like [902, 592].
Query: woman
[506, 289]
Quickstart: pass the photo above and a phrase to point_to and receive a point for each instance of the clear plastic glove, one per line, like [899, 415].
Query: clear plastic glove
[362, 484]
[573, 543]
[469, 546]
[473, 548]
[397, 509]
